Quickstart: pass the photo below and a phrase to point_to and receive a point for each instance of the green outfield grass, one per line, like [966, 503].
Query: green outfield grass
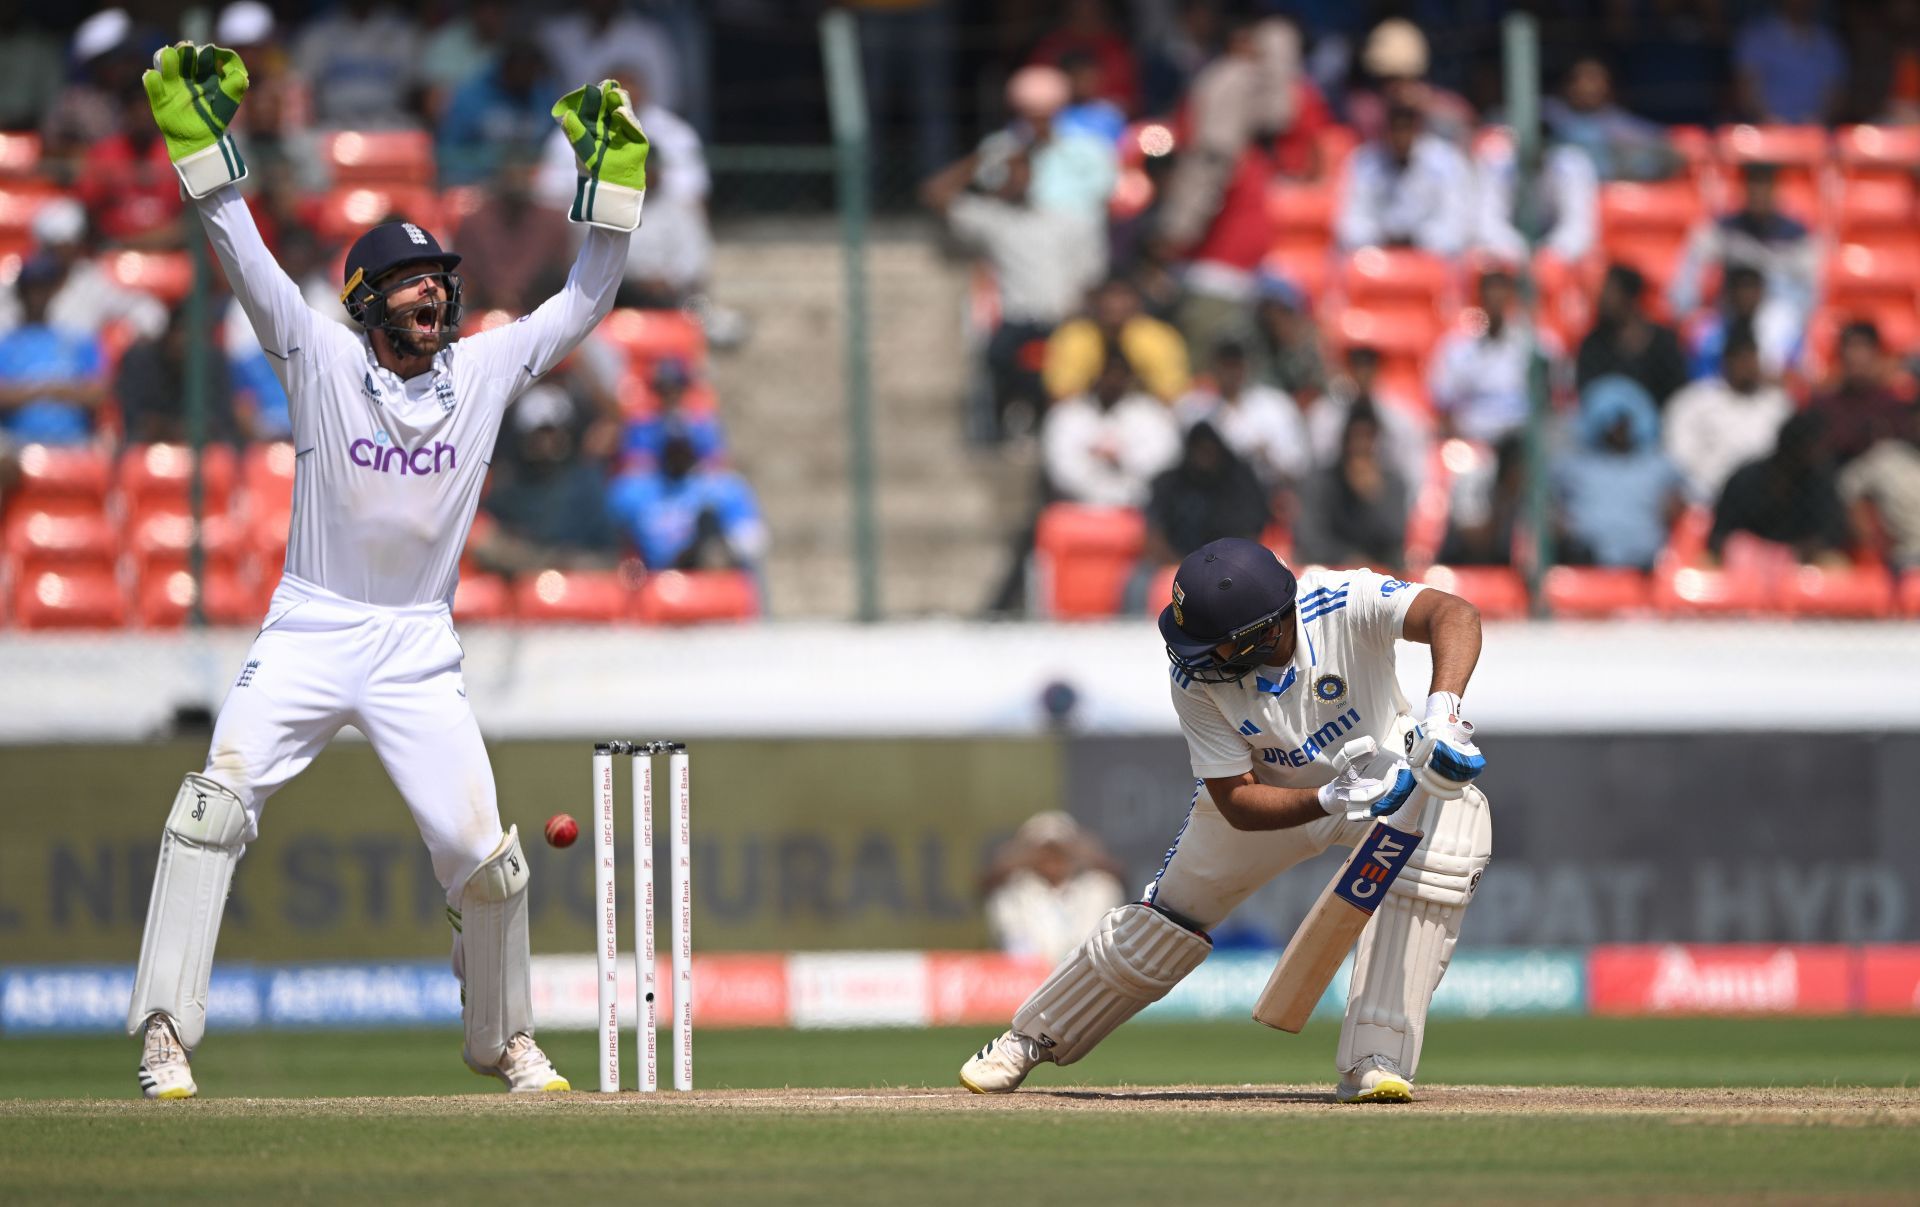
[759, 1146]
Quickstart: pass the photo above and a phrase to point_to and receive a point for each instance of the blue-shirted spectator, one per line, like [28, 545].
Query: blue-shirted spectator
[1617, 490]
[1792, 69]
[686, 517]
[51, 379]
[1088, 112]
[646, 438]
[505, 108]
[550, 500]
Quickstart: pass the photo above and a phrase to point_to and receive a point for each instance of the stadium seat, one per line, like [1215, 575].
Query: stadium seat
[165, 471]
[1402, 338]
[266, 537]
[482, 599]
[1500, 593]
[1162, 589]
[266, 475]
[1878, 153]
[20, 200]
[1861, 277]
[1303, 215]
[650, 335]
[160, 540]
[167, 275]
[1593, 592]
[1308, 268]
[1083, 557]
[49, 473]
[1853, 592]
[164, 599]
[1680, 590]
[88, 598]
[1799, 150]
[1396, 279]
[379, 157]
[56, 536]
[571, 597]
[19, 154]
[1910, 593]
[678, 597]
[1878, 214]
[1565, 293]
[1670, 206]
[346, 212]
[1336, 143]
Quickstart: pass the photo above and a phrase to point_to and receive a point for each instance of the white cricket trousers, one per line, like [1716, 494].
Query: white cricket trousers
[321, 662]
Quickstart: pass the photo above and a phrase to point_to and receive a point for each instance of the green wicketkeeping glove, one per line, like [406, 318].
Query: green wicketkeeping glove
[612, 149]
[195, 91]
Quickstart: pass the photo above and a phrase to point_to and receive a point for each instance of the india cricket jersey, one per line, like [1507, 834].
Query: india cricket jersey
[1286, 722]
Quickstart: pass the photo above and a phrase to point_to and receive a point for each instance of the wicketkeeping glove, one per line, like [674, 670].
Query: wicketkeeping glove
[195, 91]
[1444, 757]
[612, 149]
[1367, 782]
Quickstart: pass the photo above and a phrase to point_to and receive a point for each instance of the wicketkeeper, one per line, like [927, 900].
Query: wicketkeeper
[1273, 678]
[393, 426]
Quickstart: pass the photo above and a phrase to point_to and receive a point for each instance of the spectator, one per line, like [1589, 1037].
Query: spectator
[552, 509]
[1079, 350]
[1105, 446]
[1886, 64]
[107, 59]
[1480, 375]
[1395, 62]
[1882, 487]
[1207, 494]
[1408, 189]
[128, 184]
[515, 244]
[362, 59]
[51, 380]
[1259, 423]
[279, 107]
[30, 75]
[1787, 497]
[466, 44]
[1618, 493]
[1673, 58]
[1043, 262]
[1563, 213]
[1791, 68]
[1861, 406]
[1354, 512]
[1404, 434]
[1484, 509]
[646, 439]
[1072, 172]
[1621, 146]
[600, 39]
[1175, 46]
[1743, 303]
[1286, 341]
[681, 516]
[1088, 30]
[1757, 236]
[1047, 887]
[501, 113]
[1624, 340]
[1088, 111]
[151, 386]
[1719, 423]
[87, 298]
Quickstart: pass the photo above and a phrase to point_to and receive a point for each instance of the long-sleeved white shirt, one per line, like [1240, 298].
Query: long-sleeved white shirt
[387, 473]
[1108, 458]
[1429, 203]
[1569, 201]
[1711, 429]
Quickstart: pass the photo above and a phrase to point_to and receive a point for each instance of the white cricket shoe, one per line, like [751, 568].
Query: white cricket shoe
[164, 1072]
[1375, 1079]
[525, 1068]
[1003, 1064]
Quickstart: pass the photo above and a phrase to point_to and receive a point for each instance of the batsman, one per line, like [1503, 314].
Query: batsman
[393, 426]
[1300, 739]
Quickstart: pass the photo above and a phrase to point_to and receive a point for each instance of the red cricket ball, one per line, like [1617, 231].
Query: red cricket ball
[562, 830]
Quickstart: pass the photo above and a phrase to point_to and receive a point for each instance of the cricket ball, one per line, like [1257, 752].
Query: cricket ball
[562, 830]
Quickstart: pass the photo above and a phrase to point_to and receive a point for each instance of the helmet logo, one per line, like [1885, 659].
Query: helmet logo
[1179, 605]
[415, 233]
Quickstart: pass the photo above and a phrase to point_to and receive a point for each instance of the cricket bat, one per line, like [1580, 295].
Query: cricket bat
[1330, 928]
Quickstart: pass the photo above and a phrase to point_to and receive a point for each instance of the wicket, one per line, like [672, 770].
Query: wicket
[606, 894]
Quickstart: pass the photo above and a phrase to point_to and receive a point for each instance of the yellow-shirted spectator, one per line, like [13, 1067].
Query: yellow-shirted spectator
[1078, 349]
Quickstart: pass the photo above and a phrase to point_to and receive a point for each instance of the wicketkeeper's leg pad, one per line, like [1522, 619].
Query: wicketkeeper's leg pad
[1133, 958]
[203, 840]
[1404, 951]
[491, 955]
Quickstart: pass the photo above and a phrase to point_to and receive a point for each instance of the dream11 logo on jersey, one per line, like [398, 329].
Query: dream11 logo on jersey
[383, 457]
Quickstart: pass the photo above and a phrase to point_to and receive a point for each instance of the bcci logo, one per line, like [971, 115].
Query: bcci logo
[1179, 604]
[1330, 689]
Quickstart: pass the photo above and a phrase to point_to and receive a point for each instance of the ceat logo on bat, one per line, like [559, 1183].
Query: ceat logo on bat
[1376, 862]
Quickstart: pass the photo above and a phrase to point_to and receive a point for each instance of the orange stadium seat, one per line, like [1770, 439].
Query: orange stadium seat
[1303, 214]
[1853, 592]
[379, 157]
[1864, 277]
[1881, 153]
[20, 200]
[1798, 150]
[1877, 213]
[682, 597]
[49, 472]
[1669, 206]
[266, 474]
[1910, 593]
[647, 336]
[164, 599]
[1335, 143]
[160, 539]
[81, 598]
[1082, 557]
[1403, 338]
[482, 599]
[167, 275]
[165, 471]
[1595, 592]
[19, 153]
[1396, 278]
[346, 212]
[53, 536]
[571, 597]
[1499, 592]
[1680, 590]
[1308, 268]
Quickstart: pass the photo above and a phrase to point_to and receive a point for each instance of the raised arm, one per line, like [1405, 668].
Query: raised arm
[273, 304]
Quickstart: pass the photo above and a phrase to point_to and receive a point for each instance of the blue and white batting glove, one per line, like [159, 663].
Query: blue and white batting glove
[1367, 782]
[1443, 757]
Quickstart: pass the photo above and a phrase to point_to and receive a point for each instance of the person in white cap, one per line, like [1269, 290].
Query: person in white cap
[87, 298]
[91, 107]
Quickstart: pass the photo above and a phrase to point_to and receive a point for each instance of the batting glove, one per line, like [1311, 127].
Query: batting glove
[195, 90]
[1444, 757]
[612, 149]
[1367, 782]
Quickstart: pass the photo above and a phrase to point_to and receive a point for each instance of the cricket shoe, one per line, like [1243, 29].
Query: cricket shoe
[1375, 1079]
[1003, 1064]
[525, 1068]
[164, 1072]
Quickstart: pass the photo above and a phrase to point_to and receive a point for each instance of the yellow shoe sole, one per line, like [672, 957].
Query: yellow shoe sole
[1392, 1089]
[174, 1094]
[556, 1085]
[974, 1088]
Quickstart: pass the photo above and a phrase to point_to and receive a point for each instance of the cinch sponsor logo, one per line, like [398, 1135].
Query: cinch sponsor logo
[396, 460]
[1375, 863]
[1322, 737]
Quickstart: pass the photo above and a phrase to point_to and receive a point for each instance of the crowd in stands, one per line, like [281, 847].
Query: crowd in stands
[1348, 311]
[610, 482]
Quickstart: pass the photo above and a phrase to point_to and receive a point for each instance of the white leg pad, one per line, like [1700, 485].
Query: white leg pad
[1133, 958]
[1404, 951]
[490, 954]
[198, 851]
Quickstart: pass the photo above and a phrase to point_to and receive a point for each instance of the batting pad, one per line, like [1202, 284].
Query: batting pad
[198, 850]
[1133, 958]
[1404, 951]
[490, 954]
